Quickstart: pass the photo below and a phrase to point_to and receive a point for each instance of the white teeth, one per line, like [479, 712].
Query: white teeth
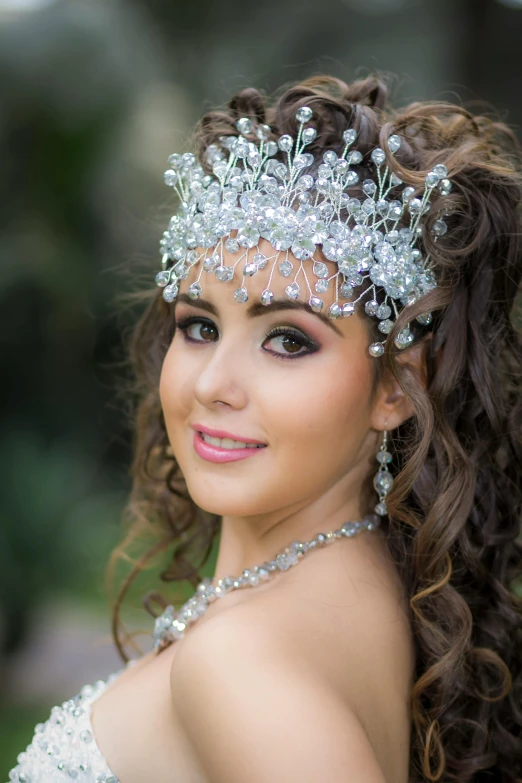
[228, 443]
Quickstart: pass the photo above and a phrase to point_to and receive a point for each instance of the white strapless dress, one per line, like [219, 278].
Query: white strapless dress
[64, 747]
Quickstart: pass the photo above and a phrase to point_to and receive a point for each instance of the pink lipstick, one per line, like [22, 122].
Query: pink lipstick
[213, 453]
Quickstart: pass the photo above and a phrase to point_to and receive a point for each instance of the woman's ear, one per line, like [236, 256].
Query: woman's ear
[391, 405]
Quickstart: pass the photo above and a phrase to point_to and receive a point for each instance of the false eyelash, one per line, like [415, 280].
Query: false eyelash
[184, 323]
[305, 342]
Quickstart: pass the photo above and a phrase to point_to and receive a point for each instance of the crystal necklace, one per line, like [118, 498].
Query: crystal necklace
[170, 625]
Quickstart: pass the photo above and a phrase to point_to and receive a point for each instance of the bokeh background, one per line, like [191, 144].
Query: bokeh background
[95, 94]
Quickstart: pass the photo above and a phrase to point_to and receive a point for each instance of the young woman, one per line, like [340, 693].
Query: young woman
[330, 381]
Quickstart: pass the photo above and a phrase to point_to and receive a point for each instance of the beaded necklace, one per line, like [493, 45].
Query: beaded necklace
[170, 626]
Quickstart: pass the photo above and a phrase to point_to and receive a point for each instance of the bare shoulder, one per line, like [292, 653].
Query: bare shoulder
[252, 712]
[321, 662]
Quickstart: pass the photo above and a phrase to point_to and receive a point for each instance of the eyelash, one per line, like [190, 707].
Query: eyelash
[184, 323]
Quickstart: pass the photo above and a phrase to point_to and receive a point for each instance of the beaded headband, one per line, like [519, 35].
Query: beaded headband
[259, 197]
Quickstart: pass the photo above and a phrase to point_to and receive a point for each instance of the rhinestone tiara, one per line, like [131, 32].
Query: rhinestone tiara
[252, 193]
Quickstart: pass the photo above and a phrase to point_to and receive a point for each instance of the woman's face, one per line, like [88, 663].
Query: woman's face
[287, 378]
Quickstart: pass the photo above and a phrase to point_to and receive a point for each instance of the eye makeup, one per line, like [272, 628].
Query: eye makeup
[291, 337]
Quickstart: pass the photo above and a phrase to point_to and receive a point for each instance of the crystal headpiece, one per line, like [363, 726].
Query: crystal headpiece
[259, 197]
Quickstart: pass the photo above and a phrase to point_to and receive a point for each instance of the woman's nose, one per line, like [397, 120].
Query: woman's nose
[221, 377]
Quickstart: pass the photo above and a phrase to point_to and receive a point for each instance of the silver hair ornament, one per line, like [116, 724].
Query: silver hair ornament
[259, 197]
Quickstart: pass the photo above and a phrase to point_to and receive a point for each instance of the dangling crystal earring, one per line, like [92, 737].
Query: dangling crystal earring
[383, 479]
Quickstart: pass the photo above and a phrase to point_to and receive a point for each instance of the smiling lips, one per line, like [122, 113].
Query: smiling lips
[220, 446]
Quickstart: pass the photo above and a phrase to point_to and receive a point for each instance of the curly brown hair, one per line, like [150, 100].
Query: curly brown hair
[454, 517]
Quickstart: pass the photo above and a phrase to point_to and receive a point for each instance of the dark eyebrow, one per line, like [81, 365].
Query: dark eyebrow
[258, 308]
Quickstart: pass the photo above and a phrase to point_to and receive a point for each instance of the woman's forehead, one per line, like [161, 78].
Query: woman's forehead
[281, 269]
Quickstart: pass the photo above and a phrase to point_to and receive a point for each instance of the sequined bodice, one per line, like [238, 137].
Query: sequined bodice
[64, 747]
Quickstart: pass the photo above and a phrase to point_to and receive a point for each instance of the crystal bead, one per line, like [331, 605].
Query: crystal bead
[309, 135]
[303, 248]
[210, 263]
[241, 149]
[162, 278]
[385, 326]
[376, 349]
[322, 286]
[330, 157]
[194, 290]
[383, 311]
[396, 210]
[254, 159]
[440, 170]
[381, 509]
[260, 260]
[305, 182]
[316, 303]
[170, 292]
[382, 206]
[378, 156]
[354, 157]
[285, 143]
[324, 171]
[384, 456]
[188, 159]
[286, 268]
[432, 180]
[404, 338]
[304, 114]
[271, 148]
[174, 160]
[281, 171]
[241, 294]
[292, 290]
[349, 136]
[245, 125]
[394, 143]
[439, 228]
[369, 187]
[368, 206]
[250, 269]
[232, 245]
[424, 318]
[371, 307]
[383, 481]
[170, 177]
[335, 310]
[320, 269]
[263, 132]
[181, 271]
[248, 236]
[348, 309]
[445, 187]
[415, 206]
[224, 273]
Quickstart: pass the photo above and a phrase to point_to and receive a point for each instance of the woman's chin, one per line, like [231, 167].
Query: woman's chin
[222, 504]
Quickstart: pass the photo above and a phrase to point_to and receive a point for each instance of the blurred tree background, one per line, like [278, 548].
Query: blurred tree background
[95, 95]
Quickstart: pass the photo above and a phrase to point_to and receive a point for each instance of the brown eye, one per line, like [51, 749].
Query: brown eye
[291, 345]
[207, 332]
[197, 330]
[284, 342]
